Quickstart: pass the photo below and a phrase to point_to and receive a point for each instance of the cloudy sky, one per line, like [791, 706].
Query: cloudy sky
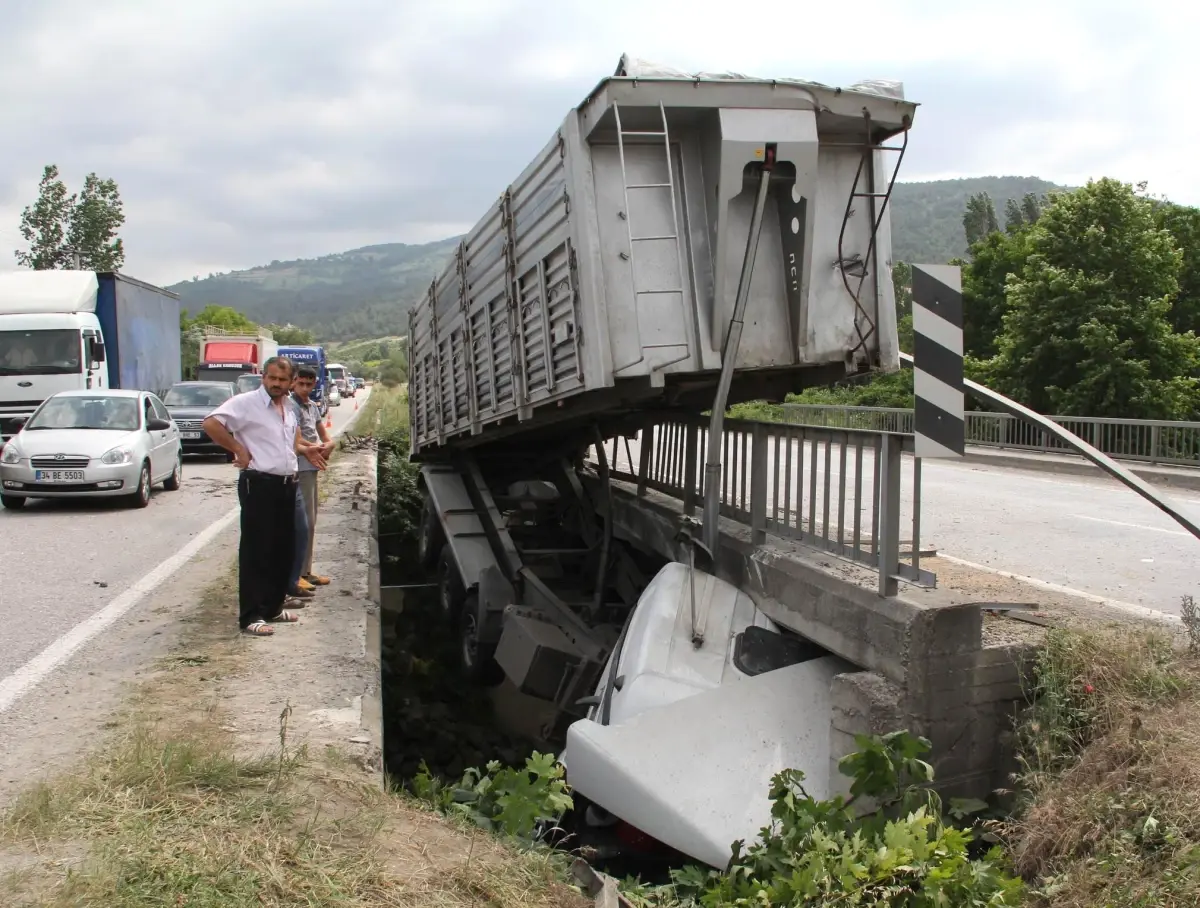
[263, 129]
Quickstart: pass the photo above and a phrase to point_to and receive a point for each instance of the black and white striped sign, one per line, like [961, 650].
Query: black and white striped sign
[939, 417]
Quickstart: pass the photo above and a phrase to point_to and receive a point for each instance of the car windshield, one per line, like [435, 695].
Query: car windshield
[53, 352]
[249, 382]
[99, 412]
[197, 396]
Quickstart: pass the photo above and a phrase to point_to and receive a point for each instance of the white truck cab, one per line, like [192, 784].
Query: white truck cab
[50, 340]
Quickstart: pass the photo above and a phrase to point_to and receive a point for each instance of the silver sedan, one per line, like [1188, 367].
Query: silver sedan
[88, 444]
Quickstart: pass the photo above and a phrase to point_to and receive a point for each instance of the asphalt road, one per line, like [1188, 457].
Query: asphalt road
[62, 562]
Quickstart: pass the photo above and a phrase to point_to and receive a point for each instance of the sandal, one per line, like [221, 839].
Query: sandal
[258, 629]
[284, 617]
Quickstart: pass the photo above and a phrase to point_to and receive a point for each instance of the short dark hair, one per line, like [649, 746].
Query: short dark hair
[306, 372]
[280, 361]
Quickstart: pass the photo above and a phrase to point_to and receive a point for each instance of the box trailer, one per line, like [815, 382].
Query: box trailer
[606, 276]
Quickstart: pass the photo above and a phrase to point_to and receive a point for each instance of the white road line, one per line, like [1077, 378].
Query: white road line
[1132, 526]
[1132, 608]
[33, 672]
[37, 669]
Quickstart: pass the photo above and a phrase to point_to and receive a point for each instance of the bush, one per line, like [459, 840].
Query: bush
[824, 853]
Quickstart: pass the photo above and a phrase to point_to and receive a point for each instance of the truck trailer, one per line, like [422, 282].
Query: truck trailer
[65, 330]
[224, 354]
[683, 242]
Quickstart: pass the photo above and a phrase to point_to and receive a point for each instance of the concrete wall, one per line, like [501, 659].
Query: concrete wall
[925, 668]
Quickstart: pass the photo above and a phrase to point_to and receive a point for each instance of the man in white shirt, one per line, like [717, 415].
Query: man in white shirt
[259, 428]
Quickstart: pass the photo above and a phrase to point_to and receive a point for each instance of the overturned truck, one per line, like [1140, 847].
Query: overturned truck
[682, 243]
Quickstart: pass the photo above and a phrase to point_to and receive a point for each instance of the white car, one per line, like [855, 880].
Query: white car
[89, 444]
[334, 396]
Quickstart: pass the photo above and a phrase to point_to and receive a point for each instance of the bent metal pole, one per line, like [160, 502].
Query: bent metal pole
[733, 340]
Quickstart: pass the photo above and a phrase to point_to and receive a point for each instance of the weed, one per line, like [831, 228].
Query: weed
[1189, 612]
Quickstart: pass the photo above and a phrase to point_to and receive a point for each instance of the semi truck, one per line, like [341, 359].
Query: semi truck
[683, 241]
[66, 330]
[224, 354]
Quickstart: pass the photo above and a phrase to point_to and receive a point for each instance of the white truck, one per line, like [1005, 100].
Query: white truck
[684, 241]
[224, 354]
[72, 330]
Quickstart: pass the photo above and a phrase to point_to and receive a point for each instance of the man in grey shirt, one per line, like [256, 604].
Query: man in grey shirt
[312, 431]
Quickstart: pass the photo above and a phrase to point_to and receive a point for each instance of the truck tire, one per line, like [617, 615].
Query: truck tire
[476, 659]
[431, 537]
[450, 587]
[13, 502]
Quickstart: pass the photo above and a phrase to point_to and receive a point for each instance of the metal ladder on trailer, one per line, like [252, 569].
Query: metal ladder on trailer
[625, 215]
[862, 267]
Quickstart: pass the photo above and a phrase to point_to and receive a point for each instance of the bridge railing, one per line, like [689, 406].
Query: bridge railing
[841, 491]
[1155, 441]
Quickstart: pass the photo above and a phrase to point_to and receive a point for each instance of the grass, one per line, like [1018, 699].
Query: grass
[1111, 772]
[172, 811]
[385, 411]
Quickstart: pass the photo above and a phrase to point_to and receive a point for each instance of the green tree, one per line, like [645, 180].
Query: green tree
[44, 224]
[984, 287]
[290, 335]
[95, 220]
[1014, 216]
[979, 219]
[1031, 207]
[61, 226]
[225, 317]
[1087, 331]
[1184, 225]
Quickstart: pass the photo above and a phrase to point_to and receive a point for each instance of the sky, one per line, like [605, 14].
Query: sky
[243, 132]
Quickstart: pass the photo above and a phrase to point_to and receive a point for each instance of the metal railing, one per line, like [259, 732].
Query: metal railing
[1151, 440]
[839, 491]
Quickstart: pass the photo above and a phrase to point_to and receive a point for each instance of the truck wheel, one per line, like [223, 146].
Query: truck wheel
[476, 659]
[431, 538]
[450, 586]
[13, 502]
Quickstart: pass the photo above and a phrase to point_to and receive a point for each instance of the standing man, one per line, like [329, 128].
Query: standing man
[312, 433]
[260, 430]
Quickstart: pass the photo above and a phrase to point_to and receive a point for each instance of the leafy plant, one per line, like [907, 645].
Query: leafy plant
[513, 801]
[899, 852]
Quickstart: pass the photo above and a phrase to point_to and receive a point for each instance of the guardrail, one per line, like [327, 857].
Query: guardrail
[1154, 441]
[840, 491]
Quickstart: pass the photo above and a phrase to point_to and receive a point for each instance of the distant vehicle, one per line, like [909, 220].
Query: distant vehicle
[189, 402]
[313, 356]
[334, 396]
[337, 376]
[89, 444]
[248, 383]
[224, 355]
[65, 330]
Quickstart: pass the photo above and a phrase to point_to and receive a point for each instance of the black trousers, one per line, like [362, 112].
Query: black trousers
[267, 545]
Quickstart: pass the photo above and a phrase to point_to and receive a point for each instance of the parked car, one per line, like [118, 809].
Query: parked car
[92, 443]
[189, 402]
[248, 382]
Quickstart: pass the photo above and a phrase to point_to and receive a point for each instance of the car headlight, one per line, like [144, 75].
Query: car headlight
[11, 454]
[118, 456]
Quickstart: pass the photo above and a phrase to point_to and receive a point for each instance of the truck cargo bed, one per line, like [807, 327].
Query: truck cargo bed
[604, 279]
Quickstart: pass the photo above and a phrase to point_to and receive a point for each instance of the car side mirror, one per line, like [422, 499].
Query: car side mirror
[158, 425]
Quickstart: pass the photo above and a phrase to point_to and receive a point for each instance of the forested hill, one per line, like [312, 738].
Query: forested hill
[367, 292]
[927, 218]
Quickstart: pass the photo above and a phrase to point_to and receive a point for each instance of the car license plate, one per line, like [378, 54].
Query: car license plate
[189, 434]
[58, 475]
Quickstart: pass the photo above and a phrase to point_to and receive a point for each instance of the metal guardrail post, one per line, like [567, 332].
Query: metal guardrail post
[888, 507]
[644, 459]
[691, 444]
[758, 484]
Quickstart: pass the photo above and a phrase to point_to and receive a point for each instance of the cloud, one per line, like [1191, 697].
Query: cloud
[241, 133]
